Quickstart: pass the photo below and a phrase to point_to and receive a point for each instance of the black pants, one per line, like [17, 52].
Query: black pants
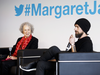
[6, 66]
[43, 63]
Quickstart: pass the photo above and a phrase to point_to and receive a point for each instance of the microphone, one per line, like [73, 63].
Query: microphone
[68, 46]
[10, 48]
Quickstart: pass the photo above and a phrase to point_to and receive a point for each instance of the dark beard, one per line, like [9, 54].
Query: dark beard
[78, 35]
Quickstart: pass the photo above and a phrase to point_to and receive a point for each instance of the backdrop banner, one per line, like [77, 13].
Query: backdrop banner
[53, 20]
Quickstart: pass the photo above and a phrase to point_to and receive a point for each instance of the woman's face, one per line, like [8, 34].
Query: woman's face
[26, 31]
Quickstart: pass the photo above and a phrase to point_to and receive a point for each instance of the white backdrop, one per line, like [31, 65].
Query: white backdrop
[53, 24]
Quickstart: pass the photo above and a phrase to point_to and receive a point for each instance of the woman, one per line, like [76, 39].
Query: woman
[25, 42]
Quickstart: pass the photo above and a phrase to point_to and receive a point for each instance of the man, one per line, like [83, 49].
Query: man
[84, 44]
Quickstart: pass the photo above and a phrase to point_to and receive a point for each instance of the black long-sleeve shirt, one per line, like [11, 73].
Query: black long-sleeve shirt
[84, 45]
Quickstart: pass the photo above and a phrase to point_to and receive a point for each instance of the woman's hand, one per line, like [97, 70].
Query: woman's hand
[13, 57]
[8, 56]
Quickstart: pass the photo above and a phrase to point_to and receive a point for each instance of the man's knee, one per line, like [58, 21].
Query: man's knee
[54, 49]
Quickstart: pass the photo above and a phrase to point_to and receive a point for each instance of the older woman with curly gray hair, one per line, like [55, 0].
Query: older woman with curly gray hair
[25, 42]
[28, 24]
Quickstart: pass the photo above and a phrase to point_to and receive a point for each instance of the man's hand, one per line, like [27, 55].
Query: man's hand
[72, 40]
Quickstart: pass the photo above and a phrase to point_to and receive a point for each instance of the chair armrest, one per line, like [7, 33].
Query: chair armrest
[29, 52]
[29, 57]
[4, 51]
[69, 56]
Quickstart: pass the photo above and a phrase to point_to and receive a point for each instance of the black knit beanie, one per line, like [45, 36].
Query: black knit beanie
[84, 24]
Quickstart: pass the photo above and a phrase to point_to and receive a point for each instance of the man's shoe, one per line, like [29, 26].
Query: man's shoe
[29, 67]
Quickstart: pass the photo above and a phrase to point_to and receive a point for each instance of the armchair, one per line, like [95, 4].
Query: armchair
[30, 56]
[78, 63]
[24, 57]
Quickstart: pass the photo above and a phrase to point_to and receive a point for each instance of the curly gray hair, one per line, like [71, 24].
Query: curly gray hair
[28, 24]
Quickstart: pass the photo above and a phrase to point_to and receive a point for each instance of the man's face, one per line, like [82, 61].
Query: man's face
[78, 31]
